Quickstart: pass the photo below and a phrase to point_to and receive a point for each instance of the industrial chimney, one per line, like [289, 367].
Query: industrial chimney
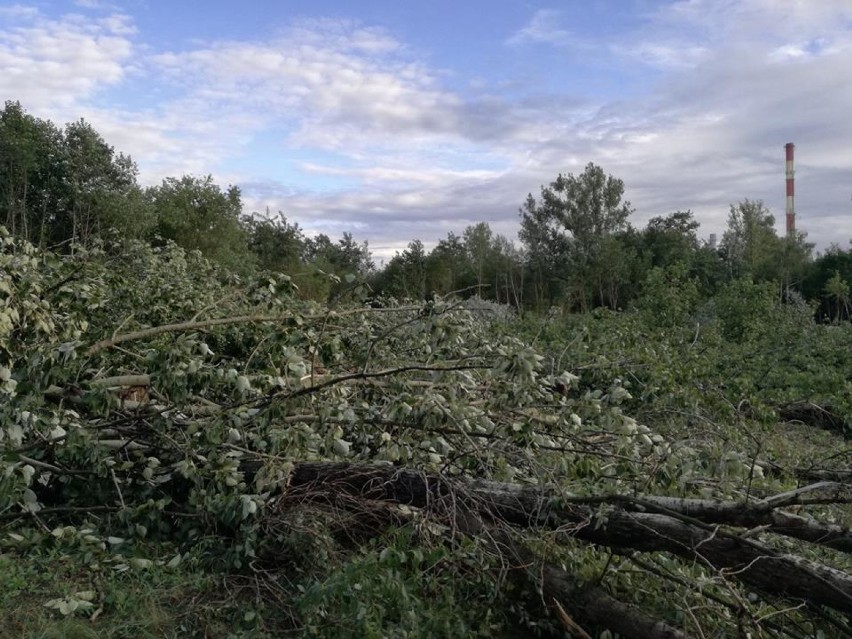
[791, 208]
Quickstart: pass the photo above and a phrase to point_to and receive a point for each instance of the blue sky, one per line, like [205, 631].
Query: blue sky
[397, 120]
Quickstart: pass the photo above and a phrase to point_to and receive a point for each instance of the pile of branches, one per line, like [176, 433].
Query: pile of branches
[251, 406]
[776, 570]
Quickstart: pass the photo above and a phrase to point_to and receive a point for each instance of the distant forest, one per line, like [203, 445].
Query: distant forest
[67, 189]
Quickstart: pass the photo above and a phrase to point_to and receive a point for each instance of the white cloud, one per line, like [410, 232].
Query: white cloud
[345, 85]
[402, 176]
[18, 11]
[739, 79]
[672, 55]
[57, 63]
[95, 4]
[544, 28]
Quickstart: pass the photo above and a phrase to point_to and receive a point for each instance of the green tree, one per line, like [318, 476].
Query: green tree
[793, 262]
[448, 268]
[478, 243]
[750, 242]
[57, 186]
[405, 274]
[340, 258]
[669, 298]
[838, 290]
[566, 233]
[835, 262]
[276, 244]
[198, 215]
[508, 276]
[332, 265]
[752, 247]
[96, 181]
[613, 271]
[743, 307]
[670, 239]
[31, 174]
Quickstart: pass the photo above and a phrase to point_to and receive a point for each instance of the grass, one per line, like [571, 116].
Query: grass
[157, 602]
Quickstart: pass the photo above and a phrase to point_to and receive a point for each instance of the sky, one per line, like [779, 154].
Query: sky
[397, 120]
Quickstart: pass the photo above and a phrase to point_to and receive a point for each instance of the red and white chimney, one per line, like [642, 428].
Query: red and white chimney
[791, 208]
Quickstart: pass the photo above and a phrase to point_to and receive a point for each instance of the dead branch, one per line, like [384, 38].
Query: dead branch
[178, 327]
[121, 380]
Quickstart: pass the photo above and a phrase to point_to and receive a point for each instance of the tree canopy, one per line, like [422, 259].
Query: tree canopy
[68, 187]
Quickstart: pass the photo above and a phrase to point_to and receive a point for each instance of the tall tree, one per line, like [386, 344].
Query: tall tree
[340, 258]
[405, 274]
[276, 244]
[30, 173]
[825, 283]
[448, 268]
[750, 242]
[508, 275]
[198, 215]
[752, 247]
[670, 239]
[96, 179]
[837, 289]
[60, 185]
[478, 240]
[565, 231]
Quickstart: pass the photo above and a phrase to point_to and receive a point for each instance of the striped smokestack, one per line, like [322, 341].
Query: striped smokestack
[791, 208]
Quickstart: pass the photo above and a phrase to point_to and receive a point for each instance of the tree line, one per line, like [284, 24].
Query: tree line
[66, 187]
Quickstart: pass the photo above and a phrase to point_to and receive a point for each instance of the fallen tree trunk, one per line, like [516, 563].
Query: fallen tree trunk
[589, 605]
[763, 513]
[731, 555]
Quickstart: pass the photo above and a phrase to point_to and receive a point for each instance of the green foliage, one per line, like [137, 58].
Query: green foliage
[407, 588]
[30, 173]
[571, 235]
[743, 308]
[671, 239]
[159, 598]
[69, 188]
[405, 275]
[834, 266]
[155, 399]
[669, 297]
[750, 240]
[753, 249]
[479, 264]
[838, 291]
[277, 244]
[65, 185]
[173, 446]
[195, 214]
